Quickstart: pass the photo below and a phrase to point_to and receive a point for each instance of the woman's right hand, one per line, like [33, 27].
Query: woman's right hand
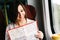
[39, 35]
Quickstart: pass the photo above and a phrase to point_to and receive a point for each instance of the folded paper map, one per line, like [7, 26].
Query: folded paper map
[27, 32]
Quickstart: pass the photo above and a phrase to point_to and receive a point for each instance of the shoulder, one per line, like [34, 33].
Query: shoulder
[34, 21]
[9, 26]
[29, 20]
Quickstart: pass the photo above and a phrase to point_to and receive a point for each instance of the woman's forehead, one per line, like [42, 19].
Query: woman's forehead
[20, 7]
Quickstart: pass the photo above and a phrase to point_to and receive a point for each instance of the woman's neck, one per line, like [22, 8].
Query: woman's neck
[21, 22]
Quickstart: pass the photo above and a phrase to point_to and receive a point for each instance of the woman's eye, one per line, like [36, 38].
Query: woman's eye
[21, 10]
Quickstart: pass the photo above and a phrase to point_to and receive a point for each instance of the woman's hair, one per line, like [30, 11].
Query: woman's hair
[13, 11]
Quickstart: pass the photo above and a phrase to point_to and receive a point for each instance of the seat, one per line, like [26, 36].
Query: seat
[2, 26]
[31, 13]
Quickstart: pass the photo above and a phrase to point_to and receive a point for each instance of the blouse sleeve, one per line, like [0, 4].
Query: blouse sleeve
[6, 36]
[37, 25]
[6, 33]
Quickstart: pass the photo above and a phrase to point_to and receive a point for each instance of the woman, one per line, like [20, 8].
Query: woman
[18, 18]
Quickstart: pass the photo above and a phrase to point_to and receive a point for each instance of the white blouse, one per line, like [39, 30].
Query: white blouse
[11, 26]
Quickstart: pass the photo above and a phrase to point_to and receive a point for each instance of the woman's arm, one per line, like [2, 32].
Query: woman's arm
[6, 33]
[6, 36]
[39, 33]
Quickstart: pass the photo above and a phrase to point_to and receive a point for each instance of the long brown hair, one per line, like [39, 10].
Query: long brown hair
[13, 11]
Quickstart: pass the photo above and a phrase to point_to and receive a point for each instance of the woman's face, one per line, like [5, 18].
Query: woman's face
[21, 12]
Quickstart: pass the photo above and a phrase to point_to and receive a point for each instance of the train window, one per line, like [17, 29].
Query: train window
[55, 5]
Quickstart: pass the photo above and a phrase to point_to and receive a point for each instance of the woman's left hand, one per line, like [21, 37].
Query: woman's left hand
[39, 35]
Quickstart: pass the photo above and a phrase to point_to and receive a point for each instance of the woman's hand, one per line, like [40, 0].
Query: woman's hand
[39, 35]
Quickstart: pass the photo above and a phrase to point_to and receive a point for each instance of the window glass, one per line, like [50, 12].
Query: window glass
[56, 15]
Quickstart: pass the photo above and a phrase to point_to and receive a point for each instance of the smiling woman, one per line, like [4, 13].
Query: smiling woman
[18, 16]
